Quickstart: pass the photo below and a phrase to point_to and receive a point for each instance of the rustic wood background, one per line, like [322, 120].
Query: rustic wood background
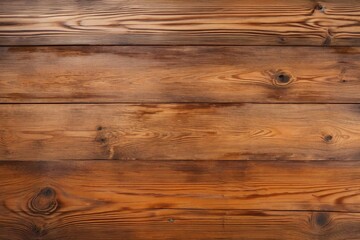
[180, 119]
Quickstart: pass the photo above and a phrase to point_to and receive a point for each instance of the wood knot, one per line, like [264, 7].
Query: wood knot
[102, 135]
[320, 219]
[101, 140]
[328, 138]
[281, 39]
[44, 202]
[328, 38]
[38, 231]
[319, 7]
[171, 220]
[282, 78]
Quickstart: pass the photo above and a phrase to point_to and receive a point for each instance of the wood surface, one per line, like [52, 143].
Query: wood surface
[180, 22]
[180, 131]
[194, 225]
[180, 120]
[180, 200]
[179, 74]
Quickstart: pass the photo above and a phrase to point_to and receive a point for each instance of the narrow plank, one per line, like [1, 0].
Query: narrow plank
[180, 199]
[179, 74]
[180, 131]
[187, 22]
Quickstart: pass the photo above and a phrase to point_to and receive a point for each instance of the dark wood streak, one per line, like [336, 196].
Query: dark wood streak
[276, 22]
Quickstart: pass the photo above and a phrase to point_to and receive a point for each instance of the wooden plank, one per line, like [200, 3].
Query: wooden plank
[179, 74]
[179, 199]
[196, 225]
[188, 22]
[180, 131]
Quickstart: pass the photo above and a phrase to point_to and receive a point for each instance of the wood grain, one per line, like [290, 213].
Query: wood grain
[181, 119]
[179, 199]
[186, 22]
[194, 225]
[179, 74]
[180, 131]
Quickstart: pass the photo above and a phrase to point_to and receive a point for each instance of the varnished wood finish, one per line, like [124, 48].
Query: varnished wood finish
[185, 22]
[180, 200]
[194, 225]
[180, 131]
[179, 74]
[180, 120]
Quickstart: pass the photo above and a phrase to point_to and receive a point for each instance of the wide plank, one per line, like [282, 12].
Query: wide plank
[179, 74]
[180, 131]
[181, 22]
[180, 199]
[191, 224]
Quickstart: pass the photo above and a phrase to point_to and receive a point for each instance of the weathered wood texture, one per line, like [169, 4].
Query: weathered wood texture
[163, 22]
[193, 225]
[179, 74]
[180, 200]
[180, 131]
[150, 141]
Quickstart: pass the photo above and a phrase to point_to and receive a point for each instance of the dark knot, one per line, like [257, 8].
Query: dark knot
[44, 202]
[282, 78]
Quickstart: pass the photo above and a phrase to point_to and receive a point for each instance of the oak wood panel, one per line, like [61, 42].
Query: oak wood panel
[179, 74]
[212, 22]
[180, 131]
[179, 199]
